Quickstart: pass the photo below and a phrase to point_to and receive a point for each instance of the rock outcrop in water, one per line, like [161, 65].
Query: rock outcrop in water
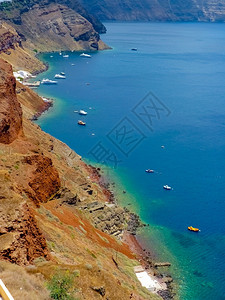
[158, 10]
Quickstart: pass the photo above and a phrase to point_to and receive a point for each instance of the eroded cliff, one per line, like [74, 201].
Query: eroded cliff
[10, 109]
[28, 27]
[12, 50]
[157, 10]
[56, 27]
[52, 25]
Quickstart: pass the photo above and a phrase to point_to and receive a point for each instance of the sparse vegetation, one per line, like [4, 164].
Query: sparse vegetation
[61, 286]
[91, 253]
[51, 245]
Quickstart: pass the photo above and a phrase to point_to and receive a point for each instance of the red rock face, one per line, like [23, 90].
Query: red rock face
[27, 241]
[10, 109]
[44, 181]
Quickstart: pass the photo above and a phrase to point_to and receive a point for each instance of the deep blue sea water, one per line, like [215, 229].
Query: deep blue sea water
[183, 65]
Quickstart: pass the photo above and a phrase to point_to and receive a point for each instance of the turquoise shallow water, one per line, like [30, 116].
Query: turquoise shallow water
[183, 66]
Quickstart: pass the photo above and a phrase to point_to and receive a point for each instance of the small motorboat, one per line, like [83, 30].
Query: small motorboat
[167, 187]
[85, 55]
[82, 112]
[66, 56]
[48, 81]
[81, 123]
[133, 49]
[62, 73]
[149, 171]
[59, 76]
[193, 229]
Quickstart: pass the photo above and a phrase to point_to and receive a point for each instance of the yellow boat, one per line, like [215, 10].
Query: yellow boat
[193, 229]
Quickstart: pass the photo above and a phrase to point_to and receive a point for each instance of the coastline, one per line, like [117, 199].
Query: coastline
[45, 108]
[165, 289]
[141, 254]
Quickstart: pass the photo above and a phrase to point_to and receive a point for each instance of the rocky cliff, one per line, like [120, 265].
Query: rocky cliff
[9, 38]
[56, 27]
[157, 10]
[12, 50]
[10, 109]
[55, 216]
[12, 10]
[28, 27]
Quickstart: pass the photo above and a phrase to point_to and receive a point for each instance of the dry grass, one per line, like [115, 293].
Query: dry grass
[21, 284]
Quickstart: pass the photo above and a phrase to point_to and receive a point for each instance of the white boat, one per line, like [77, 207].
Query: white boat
[85, 55]
[167, 187]
[149, 171]
[59, 76]
[48, 81]
[60, 53]
[32, 84]
[66, 55]
[82, 112]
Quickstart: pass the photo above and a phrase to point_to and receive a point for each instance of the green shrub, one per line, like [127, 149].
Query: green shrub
[20, 78]
[61, 285]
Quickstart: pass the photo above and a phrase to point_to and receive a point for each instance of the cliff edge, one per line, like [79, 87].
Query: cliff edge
[29, 27]
[10, 109]
[157, 10]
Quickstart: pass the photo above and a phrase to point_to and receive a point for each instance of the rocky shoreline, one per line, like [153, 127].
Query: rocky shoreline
[48, 104]
[116, 216]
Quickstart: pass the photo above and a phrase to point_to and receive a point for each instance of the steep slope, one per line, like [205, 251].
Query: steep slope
[157, 10]
[49, 26]
[57, 27]
[75, 5]
[50, 201]
[12, 50]
[10, 109]
[12, 10]
[28, 27]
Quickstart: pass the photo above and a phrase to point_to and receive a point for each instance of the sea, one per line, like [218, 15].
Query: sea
[155, 100]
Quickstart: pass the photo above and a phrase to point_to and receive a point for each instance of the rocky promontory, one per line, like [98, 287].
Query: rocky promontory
[29, 27]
